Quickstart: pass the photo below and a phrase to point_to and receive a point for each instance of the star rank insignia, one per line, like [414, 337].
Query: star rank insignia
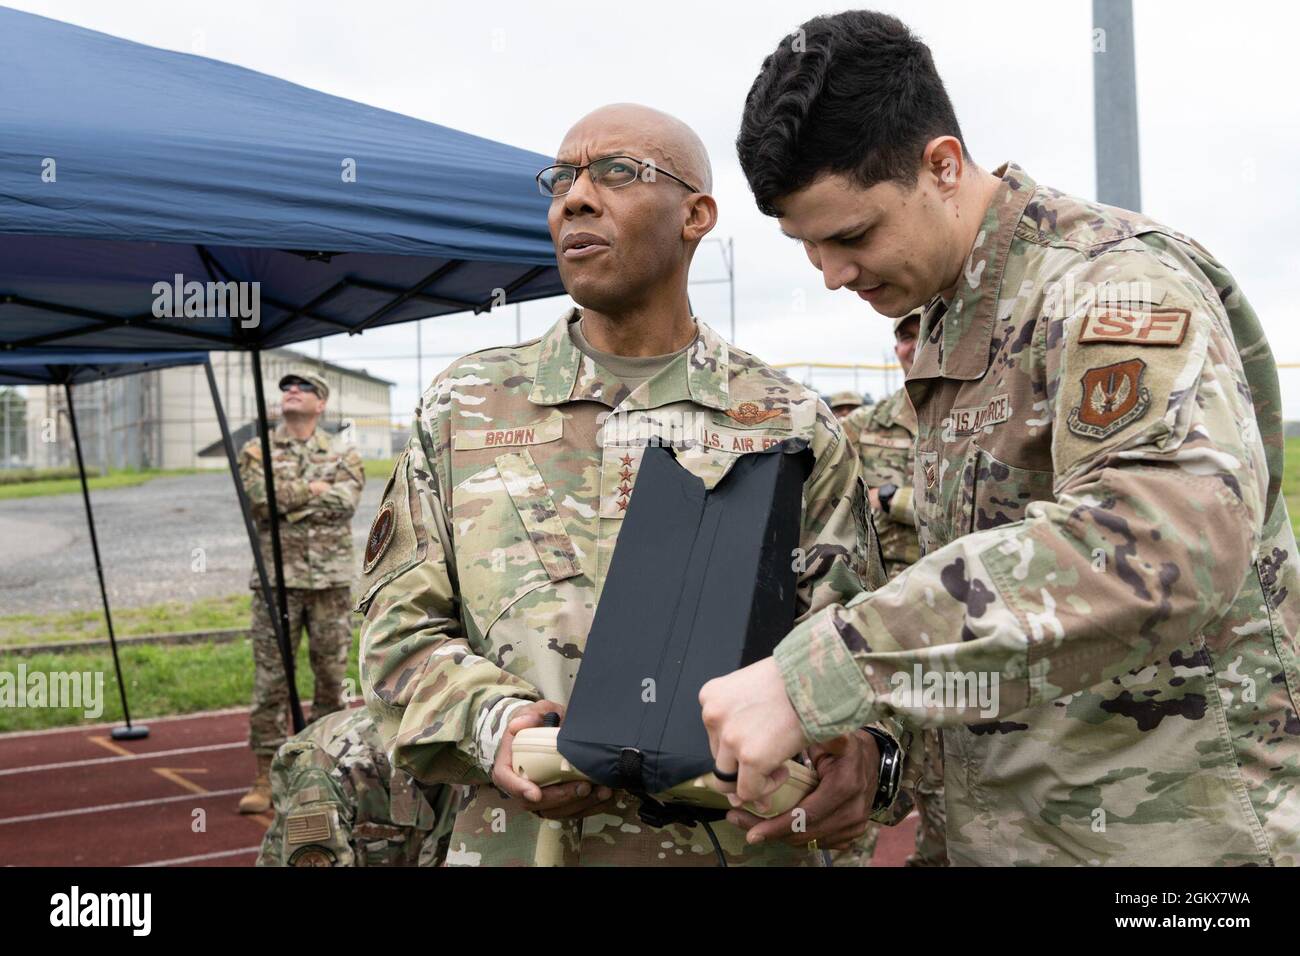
[625, 484]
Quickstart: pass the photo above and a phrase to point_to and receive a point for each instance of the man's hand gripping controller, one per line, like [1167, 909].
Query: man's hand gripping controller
[536, 757]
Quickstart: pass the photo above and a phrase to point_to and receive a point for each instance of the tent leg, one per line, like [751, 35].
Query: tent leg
[277, 556]
[118, 733]
[246, 510]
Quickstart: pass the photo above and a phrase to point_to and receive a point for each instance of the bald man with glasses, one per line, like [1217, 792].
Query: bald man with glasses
[488, 554]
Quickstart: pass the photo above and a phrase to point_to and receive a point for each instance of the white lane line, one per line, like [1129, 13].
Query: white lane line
[105, 808]
[92, 761]
[202, 856]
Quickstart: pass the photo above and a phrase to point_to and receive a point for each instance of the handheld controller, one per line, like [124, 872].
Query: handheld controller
[536, 757]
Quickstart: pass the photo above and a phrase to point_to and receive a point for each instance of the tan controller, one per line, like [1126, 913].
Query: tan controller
[537, 758]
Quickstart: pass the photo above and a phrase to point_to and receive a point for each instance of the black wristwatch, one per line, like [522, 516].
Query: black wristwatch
[886, 494]
[891, 770]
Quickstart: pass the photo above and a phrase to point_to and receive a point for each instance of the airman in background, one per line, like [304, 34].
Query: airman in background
[338, 802]
[885, 435]
[317, 487]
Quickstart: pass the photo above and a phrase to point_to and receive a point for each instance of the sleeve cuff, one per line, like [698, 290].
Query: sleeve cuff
[822, 680]
[490, 728]
[900, 507]
[293, 496]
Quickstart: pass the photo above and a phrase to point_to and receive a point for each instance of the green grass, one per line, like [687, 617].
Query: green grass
[160, 680]
[378, 469]
[13, 476]
[124, 478]
[208, 614]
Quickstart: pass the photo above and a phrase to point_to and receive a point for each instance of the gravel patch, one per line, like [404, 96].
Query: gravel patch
[153, 538]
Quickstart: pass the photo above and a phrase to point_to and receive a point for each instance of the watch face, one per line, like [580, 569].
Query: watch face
[890, 774]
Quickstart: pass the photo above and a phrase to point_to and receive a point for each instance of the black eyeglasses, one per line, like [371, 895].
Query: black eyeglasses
[609, 171]
[301, 386]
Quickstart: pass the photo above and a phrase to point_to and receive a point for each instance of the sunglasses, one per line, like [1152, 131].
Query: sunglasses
[300, 386]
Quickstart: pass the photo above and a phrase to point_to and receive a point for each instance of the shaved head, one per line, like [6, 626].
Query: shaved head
[642, 133]
[625, 250]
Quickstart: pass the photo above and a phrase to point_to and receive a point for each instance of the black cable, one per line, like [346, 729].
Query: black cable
[717, 847]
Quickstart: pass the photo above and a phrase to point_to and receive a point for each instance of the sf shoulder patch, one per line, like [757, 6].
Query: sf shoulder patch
[314, 855]
[1139, 325]
[381, 533]
[1113, 397]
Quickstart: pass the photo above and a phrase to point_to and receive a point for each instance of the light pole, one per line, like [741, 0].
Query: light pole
[1114, 104]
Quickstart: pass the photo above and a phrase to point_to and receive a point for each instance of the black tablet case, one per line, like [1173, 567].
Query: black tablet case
[700, 584]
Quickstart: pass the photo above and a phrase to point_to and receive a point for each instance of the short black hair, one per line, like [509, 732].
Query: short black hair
[853, 93]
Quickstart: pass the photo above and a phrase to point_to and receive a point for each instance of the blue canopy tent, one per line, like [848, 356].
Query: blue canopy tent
[68, 367]
[164, 201]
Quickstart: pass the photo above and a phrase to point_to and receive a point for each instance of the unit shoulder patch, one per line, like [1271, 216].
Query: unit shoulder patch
[381, 533]
[1113, 397]
[313, 855]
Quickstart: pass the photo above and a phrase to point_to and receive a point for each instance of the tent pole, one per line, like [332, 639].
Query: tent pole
[277, 557]
[245, 509]
[118, 733]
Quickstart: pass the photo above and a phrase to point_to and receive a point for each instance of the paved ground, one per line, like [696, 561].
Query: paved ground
[76, 797]
[148, 536]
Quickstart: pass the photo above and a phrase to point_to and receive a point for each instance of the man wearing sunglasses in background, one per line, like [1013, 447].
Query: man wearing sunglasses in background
[487, 558]
[317, 488]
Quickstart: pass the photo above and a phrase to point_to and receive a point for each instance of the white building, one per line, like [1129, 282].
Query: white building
[165, 418]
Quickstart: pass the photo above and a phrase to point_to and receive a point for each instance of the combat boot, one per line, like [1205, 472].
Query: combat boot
[258, 798]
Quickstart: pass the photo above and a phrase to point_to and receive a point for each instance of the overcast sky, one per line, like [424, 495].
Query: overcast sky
[1218, 112]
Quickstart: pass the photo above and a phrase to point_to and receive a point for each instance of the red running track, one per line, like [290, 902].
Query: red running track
[76, 797]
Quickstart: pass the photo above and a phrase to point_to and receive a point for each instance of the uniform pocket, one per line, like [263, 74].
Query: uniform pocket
[377, 844]
[509, 537]
[995, 493]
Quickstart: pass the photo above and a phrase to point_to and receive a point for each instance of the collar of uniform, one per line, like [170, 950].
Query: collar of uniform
[557, 377]
[960, 348]
[708, 369]
[558, 366]
[896, 410]
[281, 436]
[707, 366]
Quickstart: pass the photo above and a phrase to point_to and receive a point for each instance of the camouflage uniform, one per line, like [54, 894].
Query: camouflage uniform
[316, 543]
[844, 400]
[487, 558]
[338, 802]
[1102, 532]
[884, 435]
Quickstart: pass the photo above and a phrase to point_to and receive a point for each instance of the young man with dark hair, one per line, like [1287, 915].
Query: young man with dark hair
[1104, 617]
